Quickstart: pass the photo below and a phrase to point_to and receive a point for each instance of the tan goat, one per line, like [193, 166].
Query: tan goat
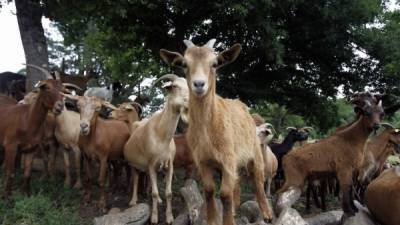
[151, 145]
[341, 154]
[383, 197]
[264, 132]
[221, 134]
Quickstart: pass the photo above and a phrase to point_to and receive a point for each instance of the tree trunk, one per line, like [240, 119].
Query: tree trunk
[29, 15]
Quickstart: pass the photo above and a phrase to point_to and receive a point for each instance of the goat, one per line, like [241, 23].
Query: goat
[383, 197]
[378, 150]
[67, 131]
[151, 145]
[340, 154]
[22, 129]
[183, 155]
[6, 101]
[281, 149]
[10, 85]
[105, 93]
[264, 132]
[129, 112]
[258, 119]
[100, 140]
[221, 133]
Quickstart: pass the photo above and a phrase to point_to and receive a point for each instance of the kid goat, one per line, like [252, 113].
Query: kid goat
[221, 134]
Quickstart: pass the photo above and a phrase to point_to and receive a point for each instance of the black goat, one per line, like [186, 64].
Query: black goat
[12, 84]
[281, 149]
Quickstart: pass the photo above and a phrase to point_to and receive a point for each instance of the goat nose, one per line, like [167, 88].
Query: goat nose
[198, 83]
[84, 125]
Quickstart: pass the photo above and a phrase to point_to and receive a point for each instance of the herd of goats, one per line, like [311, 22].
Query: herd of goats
[221, 136]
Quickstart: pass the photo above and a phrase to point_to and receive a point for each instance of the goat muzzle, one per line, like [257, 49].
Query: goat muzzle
[58, 107]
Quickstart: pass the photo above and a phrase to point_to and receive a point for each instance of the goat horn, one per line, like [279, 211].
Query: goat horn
[170, 76]
[72, 86]
[291, 128]
[380, 103]
[138, 105]
[57, 74]
[271, 126]
[74, 97]
[109, 105]
[43, 70]
[308, 128]
[188, 43]
[387, 126]
[210, 43]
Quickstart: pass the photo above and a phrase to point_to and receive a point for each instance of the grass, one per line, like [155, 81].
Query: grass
[50, 203]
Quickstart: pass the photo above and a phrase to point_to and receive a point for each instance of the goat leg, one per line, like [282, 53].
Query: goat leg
[27, 172]
[10, 152]
[77, 156]
[207, 179]
[102, 184]
[168, 193]
[67, 168]
[154, 194]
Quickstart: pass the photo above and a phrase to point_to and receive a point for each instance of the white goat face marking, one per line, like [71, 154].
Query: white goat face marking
[200, 63]
[180, 93]
[88, 106]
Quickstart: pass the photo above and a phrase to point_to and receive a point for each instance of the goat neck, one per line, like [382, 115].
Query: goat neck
[380, 145]
[168, 119]
[356, 132]
[202, 110]
[36, 115]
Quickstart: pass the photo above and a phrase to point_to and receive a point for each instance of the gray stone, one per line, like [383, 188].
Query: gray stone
[251, 211]
[290, 216]
[193, 199]
[182, 219]
[242, 221]
[326, 218]
[136, 215]
[362, 217]
[202, 218]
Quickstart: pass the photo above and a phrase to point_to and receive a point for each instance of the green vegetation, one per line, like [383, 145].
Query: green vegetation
[49, 204]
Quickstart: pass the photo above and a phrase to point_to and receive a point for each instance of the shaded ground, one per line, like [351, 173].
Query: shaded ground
[51, 203]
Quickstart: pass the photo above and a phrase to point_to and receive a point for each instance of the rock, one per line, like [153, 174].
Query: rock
[136, 215]
[193, 199]
[290, 216]
[114, 210]
[182, 219]
[251, 211]
[326, 218]
[202, 218]
[242, 221]
[362, 217]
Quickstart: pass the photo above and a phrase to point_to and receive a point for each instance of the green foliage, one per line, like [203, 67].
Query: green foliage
[50, 204]
[295, 53]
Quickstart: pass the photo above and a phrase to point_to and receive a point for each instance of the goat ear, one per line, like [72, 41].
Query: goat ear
[172, 58]
[229, 55]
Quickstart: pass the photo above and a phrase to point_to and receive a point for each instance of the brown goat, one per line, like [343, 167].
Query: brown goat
[383, 197]
[221, 134]
[7, 101]
[341, 154]
[100, 140]
[183, 155]
[22, 128]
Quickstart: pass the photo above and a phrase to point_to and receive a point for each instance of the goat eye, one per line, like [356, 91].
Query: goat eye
[214, 64]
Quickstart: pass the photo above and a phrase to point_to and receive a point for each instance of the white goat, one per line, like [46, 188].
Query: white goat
[67, 134]
[105, 93]
[151, 144]
[264, 133]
